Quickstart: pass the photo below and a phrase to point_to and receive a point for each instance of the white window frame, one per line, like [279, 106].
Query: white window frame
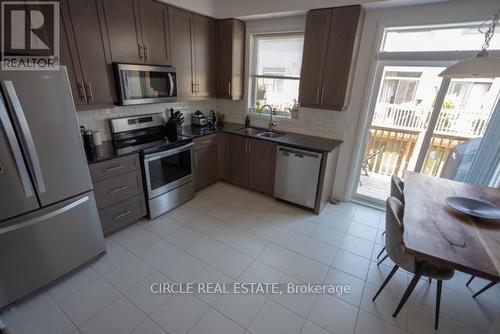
[252, 77]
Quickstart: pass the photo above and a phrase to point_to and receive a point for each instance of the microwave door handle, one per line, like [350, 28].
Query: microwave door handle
[125, 89]
[171, 81]
[26, 133]
[16, 150]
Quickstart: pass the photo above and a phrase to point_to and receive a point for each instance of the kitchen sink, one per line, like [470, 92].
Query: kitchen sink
[251, 131]
[269, 134]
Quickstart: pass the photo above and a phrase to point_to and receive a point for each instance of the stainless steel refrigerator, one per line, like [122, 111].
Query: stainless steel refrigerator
[49, 223]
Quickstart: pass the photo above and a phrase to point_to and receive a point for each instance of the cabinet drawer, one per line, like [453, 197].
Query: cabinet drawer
[205, 140]
[122, 214]
[113, 190]
[114, 167]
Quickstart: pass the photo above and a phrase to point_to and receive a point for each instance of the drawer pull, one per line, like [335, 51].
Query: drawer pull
[112, 169]
[124, 214]
[207, 142]
[117, 190]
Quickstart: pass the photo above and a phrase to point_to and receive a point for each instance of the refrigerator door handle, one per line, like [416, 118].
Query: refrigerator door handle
[28, 139]
[42, 218]
[16, 150]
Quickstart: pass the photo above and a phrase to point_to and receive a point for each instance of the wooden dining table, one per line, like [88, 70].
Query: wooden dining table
[436, 233]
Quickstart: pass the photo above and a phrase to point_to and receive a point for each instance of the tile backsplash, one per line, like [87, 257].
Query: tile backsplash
[98, 119]
[314, 122]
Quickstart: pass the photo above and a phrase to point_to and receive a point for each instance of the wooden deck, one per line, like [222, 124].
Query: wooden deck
[375, 185]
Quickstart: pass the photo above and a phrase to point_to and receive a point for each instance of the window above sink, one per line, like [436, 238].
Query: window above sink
[275, 73]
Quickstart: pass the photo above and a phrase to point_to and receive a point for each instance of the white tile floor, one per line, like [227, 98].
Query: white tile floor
[229, 234]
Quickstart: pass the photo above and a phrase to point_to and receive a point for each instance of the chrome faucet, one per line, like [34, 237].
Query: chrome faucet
[271, 123]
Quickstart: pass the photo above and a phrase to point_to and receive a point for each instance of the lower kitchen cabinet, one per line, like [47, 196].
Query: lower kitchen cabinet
[262, 162]
[118, 192]
[236, 159]
[206, 166]
[122, 214]
[250, 163]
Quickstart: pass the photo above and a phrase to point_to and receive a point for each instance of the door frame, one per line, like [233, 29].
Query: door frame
[367, 118]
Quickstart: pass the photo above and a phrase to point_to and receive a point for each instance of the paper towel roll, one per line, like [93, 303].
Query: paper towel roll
[96, 135]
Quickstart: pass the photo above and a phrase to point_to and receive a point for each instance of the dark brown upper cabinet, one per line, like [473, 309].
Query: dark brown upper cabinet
[204, 55]
[137, 31]
[192, 40]
[180, 23]
[330, 47]
[230, 37]
[155, 36]
[83, 51]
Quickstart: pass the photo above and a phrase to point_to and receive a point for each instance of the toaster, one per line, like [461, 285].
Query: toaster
[198, 119]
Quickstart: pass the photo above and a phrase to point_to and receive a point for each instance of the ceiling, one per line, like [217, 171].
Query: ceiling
[254, 9]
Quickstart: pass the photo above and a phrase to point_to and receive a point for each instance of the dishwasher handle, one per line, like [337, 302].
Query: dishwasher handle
[298, 153]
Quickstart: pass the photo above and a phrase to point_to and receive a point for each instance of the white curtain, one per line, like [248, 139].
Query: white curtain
[485, 169]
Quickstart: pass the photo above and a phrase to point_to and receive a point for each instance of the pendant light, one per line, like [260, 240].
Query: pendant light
[482, 65]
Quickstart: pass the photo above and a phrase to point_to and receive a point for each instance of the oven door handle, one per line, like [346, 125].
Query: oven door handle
[168, 152]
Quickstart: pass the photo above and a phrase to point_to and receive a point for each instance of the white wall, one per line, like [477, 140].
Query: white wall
[205, 7]
[243, 8]
[246, 8]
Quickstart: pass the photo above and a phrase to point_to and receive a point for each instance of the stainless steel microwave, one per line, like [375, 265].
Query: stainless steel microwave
[140, 84]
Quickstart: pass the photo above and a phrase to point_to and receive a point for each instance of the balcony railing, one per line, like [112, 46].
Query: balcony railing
[455, 122]
[392, 151]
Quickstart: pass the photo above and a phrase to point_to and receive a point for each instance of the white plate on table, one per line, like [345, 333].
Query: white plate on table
[474, 207]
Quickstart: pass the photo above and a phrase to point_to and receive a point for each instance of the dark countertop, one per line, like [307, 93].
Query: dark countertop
[106, 151]
[296, 140]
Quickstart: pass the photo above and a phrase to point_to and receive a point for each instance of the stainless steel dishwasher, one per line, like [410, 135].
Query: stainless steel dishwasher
[296, 176]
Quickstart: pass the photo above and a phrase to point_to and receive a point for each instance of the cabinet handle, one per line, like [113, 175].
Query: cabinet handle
[146, 53]
[322, 93]
[317, 95]
[206, 142]
[81, 92]
[140, 51]
[117, 190]
[124, 214]
[249, 146]
[112, 169]
[88, 88]
[229, 88]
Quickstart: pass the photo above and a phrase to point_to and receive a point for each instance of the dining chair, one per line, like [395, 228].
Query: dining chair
[397, 187]
[486, 287]
[396, 251]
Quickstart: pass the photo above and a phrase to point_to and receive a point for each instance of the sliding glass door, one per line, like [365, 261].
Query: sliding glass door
[423, 123]
[402, 111]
